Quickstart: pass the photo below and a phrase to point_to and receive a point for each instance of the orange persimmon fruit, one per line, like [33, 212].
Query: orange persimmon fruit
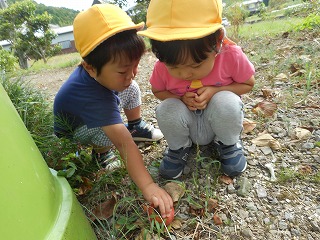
[154, 215]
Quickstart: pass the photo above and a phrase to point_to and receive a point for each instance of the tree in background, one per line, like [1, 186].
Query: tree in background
[29, 34]
[138, 13]
[120, 3]
[236, 16]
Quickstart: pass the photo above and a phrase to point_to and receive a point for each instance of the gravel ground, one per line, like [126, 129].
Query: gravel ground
[255, 205]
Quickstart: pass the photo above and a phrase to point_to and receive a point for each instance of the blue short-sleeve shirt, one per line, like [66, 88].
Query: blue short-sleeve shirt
[81, 100]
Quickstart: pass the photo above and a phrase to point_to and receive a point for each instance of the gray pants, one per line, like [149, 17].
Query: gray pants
[220, 121]
[129, 98]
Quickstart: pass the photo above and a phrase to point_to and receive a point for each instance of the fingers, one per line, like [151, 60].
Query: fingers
[163, 202]
[198, 105]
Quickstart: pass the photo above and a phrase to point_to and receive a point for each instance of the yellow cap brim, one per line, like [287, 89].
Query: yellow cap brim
[171, 34]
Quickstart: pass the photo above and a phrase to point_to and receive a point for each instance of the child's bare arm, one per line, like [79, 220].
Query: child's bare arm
[162, 95]
[122, 139]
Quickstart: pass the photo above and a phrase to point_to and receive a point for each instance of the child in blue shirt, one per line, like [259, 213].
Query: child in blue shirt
[86, 108]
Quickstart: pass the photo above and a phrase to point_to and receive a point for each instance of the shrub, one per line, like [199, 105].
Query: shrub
[312, 22]
[7, 61]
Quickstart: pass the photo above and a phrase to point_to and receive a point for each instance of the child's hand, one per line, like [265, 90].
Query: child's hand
[159, 198]
[203, 96]
[189, 100]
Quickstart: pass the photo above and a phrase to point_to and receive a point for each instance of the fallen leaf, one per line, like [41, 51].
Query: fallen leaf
[248, 125]
[294, 67]
[305, 169]
[267, 92]
[281, 77]
[274, 145]
[176, 224]
[266, 140]
[226, 179]
[105, 209]
[217, 220]
[302, 134]
[175, 190]
[85, 187]
[212, 205]
[265, 108]
[196, 210]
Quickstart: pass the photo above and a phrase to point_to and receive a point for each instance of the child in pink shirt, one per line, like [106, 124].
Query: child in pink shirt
[199, 77]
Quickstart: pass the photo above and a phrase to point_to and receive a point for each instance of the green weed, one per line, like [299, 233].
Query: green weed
[286, 175]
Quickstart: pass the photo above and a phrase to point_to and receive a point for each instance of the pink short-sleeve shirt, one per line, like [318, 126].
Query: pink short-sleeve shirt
[231, 65]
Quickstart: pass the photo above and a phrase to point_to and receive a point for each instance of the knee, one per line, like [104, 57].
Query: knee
[226, 100]
[170, 106]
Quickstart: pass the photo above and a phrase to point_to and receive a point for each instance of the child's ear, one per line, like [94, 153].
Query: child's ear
[90, 69]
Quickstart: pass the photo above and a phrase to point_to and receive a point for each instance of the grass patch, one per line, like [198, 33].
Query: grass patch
[268, 28]
[32, 106]
[289, 175]
[56, 62]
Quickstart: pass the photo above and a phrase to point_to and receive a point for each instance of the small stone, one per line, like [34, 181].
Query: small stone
[247, 233]
[274, 213]
[307, 145]
[251, 206]
[288, 216]
[283, 225]
[183, 216]
[244, 187]
[223, 217]
[295, 232]
[252, 162]
[243, 214]
[315, 226]
[266, 150]
[261, 191]
[266, 221]
[231, 189]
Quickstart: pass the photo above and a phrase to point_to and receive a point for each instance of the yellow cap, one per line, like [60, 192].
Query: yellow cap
[169, 20]
[101, 21]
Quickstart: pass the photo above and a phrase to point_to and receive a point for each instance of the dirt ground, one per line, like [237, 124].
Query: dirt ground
[270, 209]
[50, 81]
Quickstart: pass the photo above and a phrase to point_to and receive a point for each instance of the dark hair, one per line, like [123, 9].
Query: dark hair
[176, 52]
[126, 43]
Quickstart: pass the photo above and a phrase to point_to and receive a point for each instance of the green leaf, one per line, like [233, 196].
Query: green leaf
[62, 173]
[70, 172]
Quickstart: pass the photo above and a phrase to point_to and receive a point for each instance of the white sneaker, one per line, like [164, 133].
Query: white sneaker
[145, 132]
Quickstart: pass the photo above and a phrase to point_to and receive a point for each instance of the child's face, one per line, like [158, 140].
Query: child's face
[117, 75]
[191, 70]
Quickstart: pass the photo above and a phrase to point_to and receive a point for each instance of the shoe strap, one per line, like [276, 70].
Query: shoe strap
[144, 125]
[229, 151]
[177, 157]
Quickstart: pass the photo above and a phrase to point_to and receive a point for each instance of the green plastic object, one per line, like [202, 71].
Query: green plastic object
[35, 203]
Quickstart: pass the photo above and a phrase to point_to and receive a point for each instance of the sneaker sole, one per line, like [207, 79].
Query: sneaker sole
[175, 177]
[237, 173]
